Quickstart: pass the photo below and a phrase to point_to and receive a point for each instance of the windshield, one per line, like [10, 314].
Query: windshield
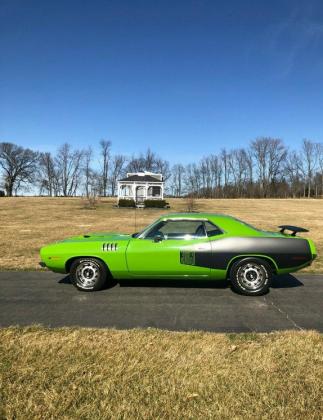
[179, 229]
[137, 234]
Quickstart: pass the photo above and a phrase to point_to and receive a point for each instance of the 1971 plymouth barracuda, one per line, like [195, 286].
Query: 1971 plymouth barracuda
[182, 245]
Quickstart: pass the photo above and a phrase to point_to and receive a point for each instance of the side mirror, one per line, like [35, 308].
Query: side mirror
[158, 238]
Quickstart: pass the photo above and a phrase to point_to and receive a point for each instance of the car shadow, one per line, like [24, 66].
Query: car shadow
[285, 281]
[67, 280]
[185, 283]
[278, 282]
[175, 283]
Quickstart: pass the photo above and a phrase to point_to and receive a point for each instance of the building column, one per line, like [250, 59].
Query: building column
[118, 191]
[134, 188]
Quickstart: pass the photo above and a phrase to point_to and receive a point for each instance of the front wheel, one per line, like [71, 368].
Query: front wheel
[88, 274]
[251, 276]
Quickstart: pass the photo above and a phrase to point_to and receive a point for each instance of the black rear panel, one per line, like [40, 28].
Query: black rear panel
[286, 252]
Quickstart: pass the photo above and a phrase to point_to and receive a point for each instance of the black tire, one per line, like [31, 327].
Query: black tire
[88, 274]
[251, 276]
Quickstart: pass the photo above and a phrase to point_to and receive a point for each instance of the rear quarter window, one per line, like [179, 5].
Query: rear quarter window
[212, 230]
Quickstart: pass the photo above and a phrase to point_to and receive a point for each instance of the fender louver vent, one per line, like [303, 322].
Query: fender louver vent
[109, 246]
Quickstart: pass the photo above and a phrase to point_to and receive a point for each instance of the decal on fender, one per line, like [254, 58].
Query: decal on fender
[187, 257]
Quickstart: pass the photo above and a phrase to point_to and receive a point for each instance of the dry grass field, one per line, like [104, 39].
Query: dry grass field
[75, 373]
[152, 374]
[29, 223]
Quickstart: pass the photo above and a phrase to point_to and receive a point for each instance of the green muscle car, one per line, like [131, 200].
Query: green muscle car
[183, 245]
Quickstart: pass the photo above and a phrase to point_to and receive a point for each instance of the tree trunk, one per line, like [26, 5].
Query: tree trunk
[9, 188]
[309, 188]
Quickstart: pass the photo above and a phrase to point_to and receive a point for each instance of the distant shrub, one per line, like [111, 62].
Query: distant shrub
[123, 202]
[155, 203]
[191, 204]
[2, 194]
[90, 202]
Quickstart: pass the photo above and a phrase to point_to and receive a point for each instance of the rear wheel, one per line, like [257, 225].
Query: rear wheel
[251, 276]
[88, 274]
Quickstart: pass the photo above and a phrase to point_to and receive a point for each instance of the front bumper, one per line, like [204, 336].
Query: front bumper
[42, 264]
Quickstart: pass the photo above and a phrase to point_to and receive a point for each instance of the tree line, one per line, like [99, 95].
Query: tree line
[265, 168]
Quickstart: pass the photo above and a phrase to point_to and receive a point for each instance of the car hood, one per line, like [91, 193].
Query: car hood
[101, 236]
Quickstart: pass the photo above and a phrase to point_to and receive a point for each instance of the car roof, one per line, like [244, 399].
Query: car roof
[224, 221]
[196, 215]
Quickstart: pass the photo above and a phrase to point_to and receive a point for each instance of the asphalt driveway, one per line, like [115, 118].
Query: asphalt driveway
[294, 302]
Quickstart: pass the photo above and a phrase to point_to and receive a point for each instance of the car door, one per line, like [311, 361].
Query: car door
[168, 249]
[218, 256]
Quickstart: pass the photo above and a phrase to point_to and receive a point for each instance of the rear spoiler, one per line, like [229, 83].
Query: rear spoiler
[293, 229]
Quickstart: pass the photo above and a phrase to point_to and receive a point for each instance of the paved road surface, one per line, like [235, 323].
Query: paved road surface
[49, 299]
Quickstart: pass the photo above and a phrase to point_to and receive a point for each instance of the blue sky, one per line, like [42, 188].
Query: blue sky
[183, 77]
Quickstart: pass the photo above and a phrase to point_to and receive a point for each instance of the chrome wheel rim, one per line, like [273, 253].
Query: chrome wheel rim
[251, 276]
[87, 274]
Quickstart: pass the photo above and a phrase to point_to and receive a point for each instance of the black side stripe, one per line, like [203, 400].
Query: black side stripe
[286, 252]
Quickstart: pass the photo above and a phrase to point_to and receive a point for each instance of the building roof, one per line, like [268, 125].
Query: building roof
[143, 178]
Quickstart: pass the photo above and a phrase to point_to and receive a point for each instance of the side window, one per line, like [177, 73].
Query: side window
[211, 229]
[178, 229]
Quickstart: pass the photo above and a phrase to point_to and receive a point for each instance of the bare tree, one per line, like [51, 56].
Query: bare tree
[135, 164]
[105, 161]
[206, 175]
[69, 168]
[250, 165]
[193, 179]
[142, 162]
[19, 166]
[225, 165]
[238, 164]
[269, 155]
[216, 169]
[47, 173]
[277, 154]
[88, 170]
[178, 172]
[320, 163]
[117, 169]
[310, 160]
[264, 169]
[162, 167]
[294, 173]
[149, 161]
